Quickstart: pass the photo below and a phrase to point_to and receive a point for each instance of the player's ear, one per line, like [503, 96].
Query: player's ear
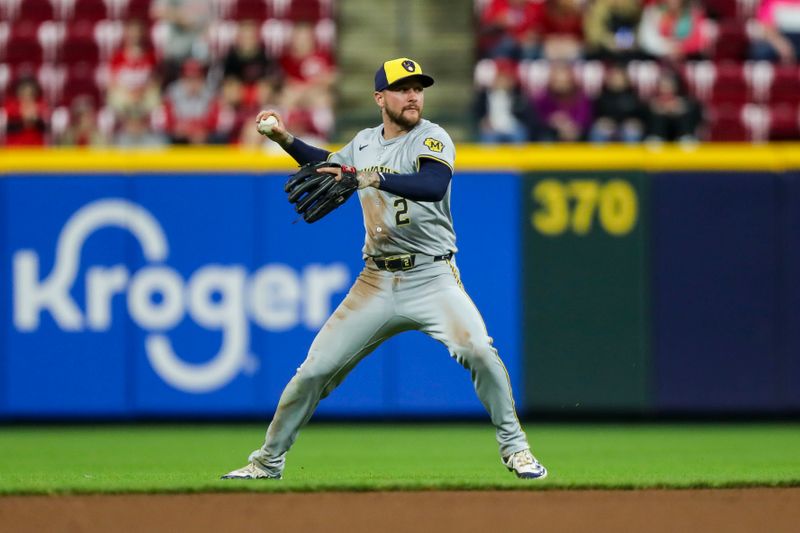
[379, 99]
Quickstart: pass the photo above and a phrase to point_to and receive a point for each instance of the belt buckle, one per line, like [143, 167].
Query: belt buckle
[404, 262]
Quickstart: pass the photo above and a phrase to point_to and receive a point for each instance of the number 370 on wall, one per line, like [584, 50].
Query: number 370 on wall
[561, 206]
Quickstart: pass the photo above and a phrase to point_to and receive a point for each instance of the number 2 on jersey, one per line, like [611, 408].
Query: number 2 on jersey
[402, 208]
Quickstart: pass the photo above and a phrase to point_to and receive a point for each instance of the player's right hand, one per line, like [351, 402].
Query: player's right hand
[279, 134]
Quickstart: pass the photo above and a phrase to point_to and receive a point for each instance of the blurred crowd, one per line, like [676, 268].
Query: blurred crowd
[637, 70]
[133, 73]
[160, 72]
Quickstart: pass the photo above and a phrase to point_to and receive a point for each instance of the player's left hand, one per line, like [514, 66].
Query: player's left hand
[365, 179]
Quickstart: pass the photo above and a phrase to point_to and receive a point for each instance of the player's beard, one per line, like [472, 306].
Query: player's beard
[401, 120]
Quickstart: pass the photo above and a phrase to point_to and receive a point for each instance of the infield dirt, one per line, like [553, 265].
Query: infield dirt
[729, 510]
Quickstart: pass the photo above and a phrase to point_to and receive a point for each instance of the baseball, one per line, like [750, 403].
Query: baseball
[265, 124]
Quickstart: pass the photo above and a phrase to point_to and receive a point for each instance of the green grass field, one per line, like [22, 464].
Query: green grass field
[40, 460]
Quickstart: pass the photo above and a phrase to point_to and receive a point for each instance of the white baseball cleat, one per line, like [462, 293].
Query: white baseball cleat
[525, 465]
[251, 471]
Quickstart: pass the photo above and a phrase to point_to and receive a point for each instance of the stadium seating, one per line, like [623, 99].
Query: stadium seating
[742, 99]
[731, 40]
[28, 10]
[752, 100]
[250, 9]
[67, 44]
[23, 47]
[90, 10]
[135, 9]
[79, 45]
[784, 122]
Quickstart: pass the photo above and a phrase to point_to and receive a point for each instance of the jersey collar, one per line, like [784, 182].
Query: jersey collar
[383, 142]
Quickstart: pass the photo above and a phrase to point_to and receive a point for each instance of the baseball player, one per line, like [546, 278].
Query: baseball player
[410, 280]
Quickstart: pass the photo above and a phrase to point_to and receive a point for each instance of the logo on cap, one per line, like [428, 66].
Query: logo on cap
[409, 65]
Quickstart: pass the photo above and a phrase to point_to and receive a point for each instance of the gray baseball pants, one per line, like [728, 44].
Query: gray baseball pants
[428, 298]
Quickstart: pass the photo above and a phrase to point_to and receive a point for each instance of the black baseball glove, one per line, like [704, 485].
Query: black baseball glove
[315, 194]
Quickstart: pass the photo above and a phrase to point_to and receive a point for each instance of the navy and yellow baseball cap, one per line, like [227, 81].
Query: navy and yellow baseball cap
[400, 69]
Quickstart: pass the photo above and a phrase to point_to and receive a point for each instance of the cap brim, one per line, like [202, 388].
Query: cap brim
[426, 80]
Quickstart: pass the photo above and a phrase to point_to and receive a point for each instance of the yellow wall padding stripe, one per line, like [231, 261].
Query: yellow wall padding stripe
[576, 157]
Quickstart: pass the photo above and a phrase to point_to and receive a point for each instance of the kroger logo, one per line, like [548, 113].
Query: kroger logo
[218, 297]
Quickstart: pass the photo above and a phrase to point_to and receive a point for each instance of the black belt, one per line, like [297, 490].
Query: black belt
[407, 261]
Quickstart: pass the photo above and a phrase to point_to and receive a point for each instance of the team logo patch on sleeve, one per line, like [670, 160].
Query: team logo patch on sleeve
[434, 145]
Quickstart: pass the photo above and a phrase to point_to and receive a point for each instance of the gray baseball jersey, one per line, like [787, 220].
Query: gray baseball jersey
[427, 297]
[393, 224]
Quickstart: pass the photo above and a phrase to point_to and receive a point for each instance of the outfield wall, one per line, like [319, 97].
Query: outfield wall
[612, 279]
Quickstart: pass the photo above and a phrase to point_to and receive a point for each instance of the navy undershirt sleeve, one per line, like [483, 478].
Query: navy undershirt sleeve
[305, 153]
[427, 185]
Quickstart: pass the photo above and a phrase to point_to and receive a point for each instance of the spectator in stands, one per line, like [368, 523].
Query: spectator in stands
[186, 22]
[610, 29]
[189, 106]
[673, 30]
[563, 108]
[266, 95]
[135, 131]
[309, 73]
[246, 59]
[779, 26]
[510, 29]
[132, 80]
[26, 115]
[82, 129]
[618, 111]
[231, 112]
[502, 109]
[672, 114]
[310, 125]
[562, 30]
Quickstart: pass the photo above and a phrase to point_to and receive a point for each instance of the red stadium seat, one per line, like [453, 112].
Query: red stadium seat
[730, 85]
[725, 124]
[92, 10]
[784, 122]
[23, 49]
[305, 10]
[732, 42]
[136, 9]
[35, 10]
[721, 9]
[250, 10]
[79, 44]
[785, 87]
[80, 80]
